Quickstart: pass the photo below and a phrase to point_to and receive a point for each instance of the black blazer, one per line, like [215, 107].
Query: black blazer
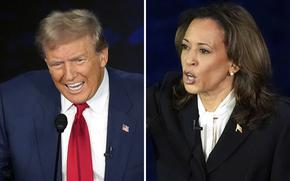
[254, 155]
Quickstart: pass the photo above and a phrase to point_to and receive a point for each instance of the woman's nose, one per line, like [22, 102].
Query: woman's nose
[191, 58]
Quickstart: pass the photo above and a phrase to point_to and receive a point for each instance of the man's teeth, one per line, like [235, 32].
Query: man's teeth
[75, 86]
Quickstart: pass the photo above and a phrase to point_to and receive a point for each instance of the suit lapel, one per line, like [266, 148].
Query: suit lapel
[187, 117]
[121, 129]
[46, 134]
[229, 141]
[189, 121]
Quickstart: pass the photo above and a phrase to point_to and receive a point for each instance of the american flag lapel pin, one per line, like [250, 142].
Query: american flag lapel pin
[239, 128]
[125, 128]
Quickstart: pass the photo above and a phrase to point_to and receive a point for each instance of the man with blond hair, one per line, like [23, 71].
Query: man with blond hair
[103, 139]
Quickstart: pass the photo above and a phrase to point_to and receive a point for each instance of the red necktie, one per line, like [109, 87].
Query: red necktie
[79, 159]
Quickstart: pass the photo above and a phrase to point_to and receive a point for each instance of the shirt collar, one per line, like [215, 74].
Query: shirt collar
[227, 104]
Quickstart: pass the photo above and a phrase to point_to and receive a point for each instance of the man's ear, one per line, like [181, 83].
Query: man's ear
[103, 56]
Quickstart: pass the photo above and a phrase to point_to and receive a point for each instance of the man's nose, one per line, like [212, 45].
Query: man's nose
[69, 72]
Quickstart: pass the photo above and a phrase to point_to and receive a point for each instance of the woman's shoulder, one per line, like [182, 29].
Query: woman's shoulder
[282, 107]
[160, 95]
[165, 85]
[280, 115]
[171, 78]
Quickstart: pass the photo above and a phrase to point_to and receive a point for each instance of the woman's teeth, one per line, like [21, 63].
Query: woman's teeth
[189, 76]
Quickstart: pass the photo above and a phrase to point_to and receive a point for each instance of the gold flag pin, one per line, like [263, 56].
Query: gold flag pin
[239, 128]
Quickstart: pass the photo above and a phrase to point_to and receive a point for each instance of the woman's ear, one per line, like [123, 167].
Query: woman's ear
[233, 69]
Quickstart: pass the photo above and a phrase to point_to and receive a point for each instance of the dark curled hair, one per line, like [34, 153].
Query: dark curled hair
[246, 48]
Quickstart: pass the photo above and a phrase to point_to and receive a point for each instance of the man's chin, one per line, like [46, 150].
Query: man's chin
[75, 98]
[77, 101]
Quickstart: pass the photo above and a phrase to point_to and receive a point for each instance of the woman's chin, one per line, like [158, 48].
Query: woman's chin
[190, 89]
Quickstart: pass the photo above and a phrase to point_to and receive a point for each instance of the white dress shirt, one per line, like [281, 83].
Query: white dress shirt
[213, 123]
[96, 116]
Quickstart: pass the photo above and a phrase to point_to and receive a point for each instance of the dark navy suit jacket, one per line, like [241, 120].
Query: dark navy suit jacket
[28, 137]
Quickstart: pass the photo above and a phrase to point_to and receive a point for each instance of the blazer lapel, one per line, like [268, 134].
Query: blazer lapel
[46, 134]
[190, 125]
[229, 141]
[121, 129]
[188, 116]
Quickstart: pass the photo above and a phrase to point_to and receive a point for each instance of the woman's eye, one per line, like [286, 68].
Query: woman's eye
[204, 51]
[184, 46]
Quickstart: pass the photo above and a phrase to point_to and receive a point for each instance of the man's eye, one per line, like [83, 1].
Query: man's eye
[56, 65]
[80, 60]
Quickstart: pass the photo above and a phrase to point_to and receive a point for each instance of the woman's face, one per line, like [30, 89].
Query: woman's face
[204, 59]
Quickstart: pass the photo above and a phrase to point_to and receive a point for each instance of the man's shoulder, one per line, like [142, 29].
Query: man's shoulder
[126, 84]
[124, 78]
[39, 79]
[35, 75]
[124, 75]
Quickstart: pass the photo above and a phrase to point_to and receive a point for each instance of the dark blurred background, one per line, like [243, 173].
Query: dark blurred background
[122, 21]
[272, 17]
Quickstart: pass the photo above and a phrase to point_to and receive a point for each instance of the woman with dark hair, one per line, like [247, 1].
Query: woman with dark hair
[218, 120]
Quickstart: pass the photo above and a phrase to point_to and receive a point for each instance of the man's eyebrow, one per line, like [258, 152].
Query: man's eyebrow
[77, 57]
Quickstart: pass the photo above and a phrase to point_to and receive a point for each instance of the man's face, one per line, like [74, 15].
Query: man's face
[76, 68]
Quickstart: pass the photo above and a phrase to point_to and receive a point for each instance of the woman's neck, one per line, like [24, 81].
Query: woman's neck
[211, 100]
